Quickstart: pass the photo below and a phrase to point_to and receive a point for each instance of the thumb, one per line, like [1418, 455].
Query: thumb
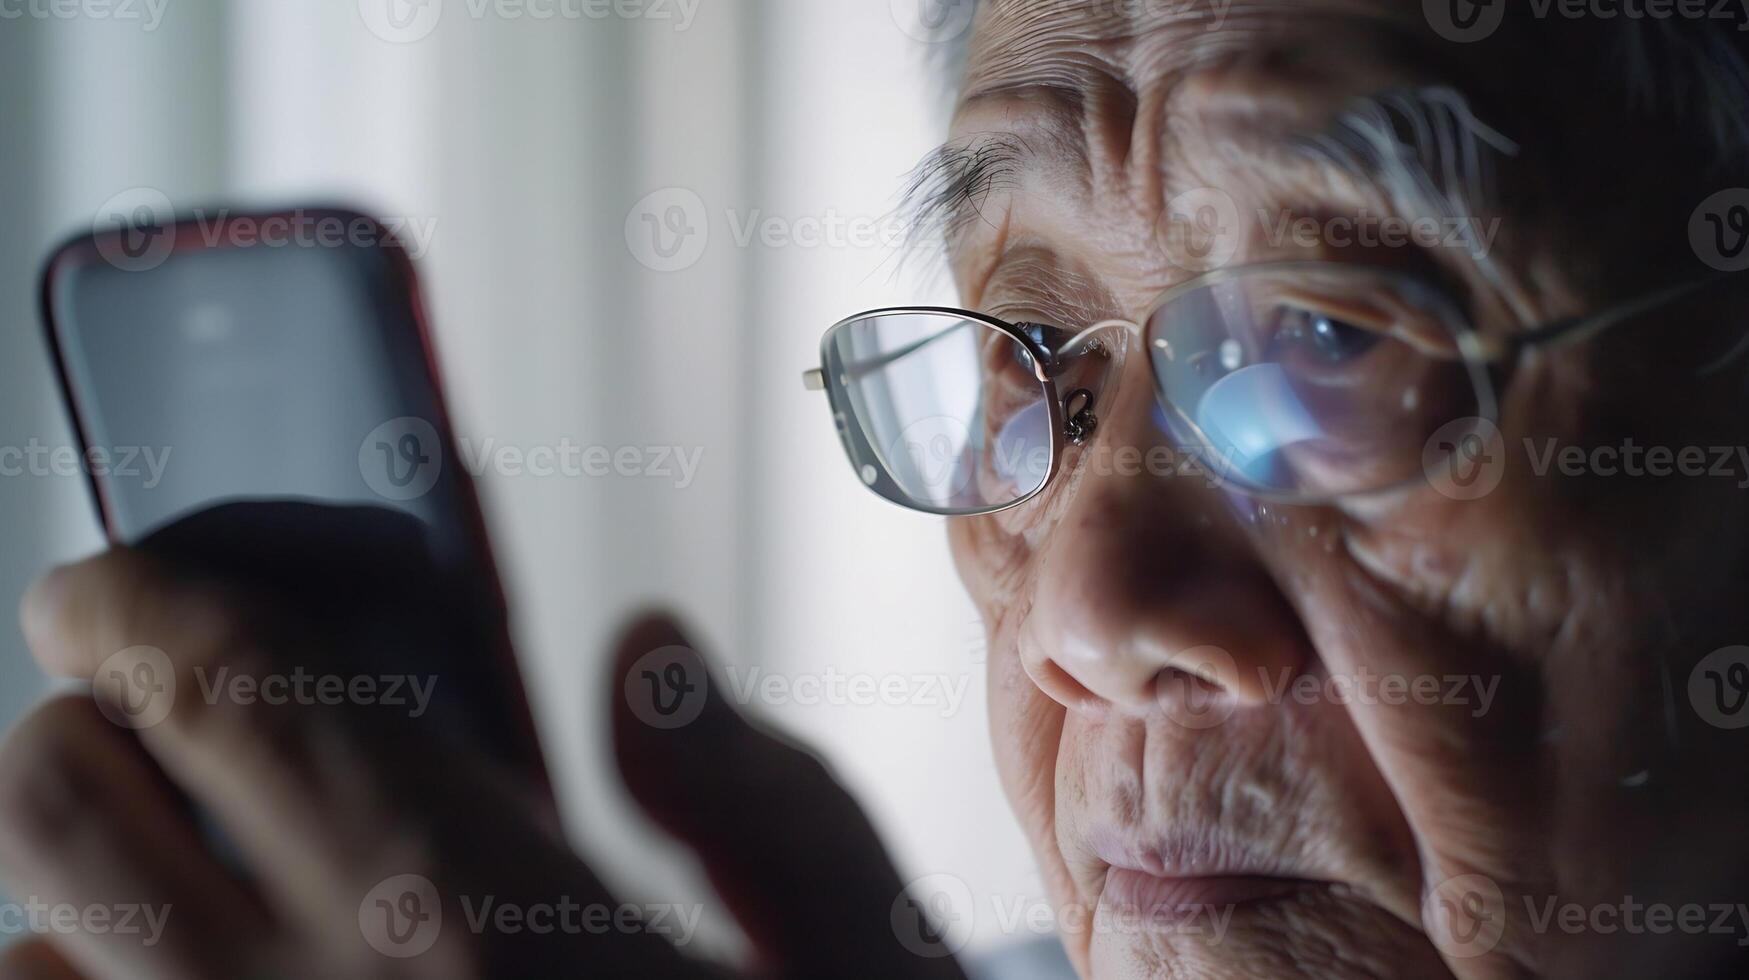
[781, 841]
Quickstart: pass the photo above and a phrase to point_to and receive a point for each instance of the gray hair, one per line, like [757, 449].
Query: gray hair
[1691, 74]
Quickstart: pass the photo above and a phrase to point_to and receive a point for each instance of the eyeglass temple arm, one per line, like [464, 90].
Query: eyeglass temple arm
[814, 379]
[1574, 329]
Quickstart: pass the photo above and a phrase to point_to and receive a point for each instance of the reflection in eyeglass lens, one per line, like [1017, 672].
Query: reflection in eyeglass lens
[948, 407]
[1311, 382]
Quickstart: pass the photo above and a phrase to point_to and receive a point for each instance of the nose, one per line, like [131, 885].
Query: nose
[1149, 576]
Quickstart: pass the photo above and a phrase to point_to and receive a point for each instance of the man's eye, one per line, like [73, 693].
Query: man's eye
[1008, 361]
[1320, 334]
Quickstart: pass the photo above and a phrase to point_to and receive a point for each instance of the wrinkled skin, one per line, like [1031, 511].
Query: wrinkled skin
[1581, 604]
[1589, 779]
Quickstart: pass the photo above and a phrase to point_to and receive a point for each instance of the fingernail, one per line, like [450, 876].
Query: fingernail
[40, 609]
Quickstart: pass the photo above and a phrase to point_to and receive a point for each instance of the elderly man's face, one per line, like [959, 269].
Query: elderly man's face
[1413, 725]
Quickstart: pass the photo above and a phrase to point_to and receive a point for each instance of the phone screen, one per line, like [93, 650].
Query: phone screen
[250, 373]
[293, 383]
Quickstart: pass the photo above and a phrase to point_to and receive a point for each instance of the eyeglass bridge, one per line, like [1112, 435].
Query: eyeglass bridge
[1052, 345]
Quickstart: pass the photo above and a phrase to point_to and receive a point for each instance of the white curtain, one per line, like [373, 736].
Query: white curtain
[531, 149]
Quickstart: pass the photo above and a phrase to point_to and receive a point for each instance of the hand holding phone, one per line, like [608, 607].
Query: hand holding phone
[278, 369]
[367, 844]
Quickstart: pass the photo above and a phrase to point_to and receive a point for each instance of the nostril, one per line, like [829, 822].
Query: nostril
[1192, 698]
[1177, 677]
[1061, 686]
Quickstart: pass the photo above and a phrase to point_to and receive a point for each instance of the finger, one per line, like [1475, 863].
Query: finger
[98, 604]
[300, 789]
[782, 842]
[153, 643]
[98, 845]
[334, 810]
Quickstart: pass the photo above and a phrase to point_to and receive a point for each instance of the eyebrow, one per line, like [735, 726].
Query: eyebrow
[1423, 147]
[947, 191]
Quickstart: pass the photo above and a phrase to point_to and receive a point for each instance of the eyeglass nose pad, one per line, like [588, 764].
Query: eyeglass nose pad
[1091, 362]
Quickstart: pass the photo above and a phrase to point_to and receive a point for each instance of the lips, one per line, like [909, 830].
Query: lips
[1168, 882]
[1189, 850]
[1161, 902]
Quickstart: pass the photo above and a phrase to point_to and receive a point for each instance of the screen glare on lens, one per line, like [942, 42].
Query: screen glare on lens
[1301, 380]
[947, 410]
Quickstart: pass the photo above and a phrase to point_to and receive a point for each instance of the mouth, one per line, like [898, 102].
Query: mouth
[1171, 903]
[1169, 885]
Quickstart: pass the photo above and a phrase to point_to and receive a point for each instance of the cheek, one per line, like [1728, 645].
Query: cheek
[1026, 728]
[1026, 733]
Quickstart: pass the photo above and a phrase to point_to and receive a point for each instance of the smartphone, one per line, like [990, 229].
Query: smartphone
[256, 395]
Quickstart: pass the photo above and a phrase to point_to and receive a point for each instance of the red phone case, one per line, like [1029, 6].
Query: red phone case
[189, 235]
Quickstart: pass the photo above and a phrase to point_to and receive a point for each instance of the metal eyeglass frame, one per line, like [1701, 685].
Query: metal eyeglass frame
[1052, 350]
[1480, 353]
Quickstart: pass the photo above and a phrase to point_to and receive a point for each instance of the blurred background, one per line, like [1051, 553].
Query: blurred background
[633, 220]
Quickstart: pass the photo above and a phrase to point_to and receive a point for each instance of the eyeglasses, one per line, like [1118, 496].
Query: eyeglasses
[957, 413]
[1301, 382]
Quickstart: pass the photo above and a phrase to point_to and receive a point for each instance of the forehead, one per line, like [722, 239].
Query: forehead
[1018, 44]
[1102, 113]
